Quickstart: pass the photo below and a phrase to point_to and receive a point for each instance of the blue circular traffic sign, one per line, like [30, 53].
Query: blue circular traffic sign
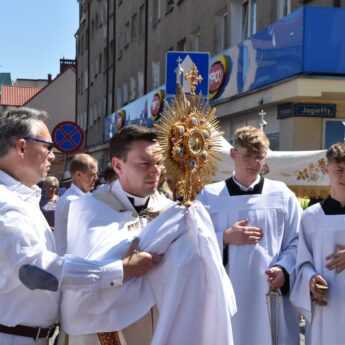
[68, 137]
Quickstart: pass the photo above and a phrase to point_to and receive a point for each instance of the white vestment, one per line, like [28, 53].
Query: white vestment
[277, 212]
[189, 287]
[318, 238]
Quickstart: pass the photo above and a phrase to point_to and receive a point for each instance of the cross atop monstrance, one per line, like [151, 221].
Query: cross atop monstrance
[194, 78]
[262, 123]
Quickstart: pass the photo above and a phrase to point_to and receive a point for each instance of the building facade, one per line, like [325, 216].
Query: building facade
[121, 47]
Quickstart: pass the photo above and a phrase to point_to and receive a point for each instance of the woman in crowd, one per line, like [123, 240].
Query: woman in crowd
[49, 198]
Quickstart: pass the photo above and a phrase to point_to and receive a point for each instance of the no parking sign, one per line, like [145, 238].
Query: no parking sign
[68, 137]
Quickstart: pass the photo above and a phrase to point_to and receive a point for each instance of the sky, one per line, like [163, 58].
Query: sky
[35, 35]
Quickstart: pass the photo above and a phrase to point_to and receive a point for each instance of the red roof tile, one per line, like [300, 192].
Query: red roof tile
[17, 95]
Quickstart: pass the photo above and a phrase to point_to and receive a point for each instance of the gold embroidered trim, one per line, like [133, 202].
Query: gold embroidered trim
[109, 338]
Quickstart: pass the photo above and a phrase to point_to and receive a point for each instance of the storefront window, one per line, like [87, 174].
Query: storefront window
[333, 132]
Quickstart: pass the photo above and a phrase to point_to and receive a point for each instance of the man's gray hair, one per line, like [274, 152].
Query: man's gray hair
[17, 123]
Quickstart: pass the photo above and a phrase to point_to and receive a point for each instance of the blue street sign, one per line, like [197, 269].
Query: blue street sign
[186, 59]
[68, 137]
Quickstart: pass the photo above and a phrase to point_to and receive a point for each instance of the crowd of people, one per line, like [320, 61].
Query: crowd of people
[137, 268]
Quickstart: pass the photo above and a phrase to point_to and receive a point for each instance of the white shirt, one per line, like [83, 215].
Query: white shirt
[245, 188]
[26, 239]
[61, 217]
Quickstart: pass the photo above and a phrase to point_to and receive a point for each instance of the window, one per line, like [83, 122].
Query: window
[103, 15]
[126, 35]
[274, 141]
[169, 6]
[141, 24]
[181, 45]
[95, 113]
[91, 73]
[245, 24]
[82, 45]
[134, 29]
[86, 80]
[105, 26]
[119, 46]
[156, 11]
[283, 8]
[105, 59]
[92, 28]
[248, 18]
[110, 100]
[84, 120]
[221, 31]
[96, 67]
[155, 74]
[253, 18]
[140, 84]
[79, 45]
[100, 63]
[119, 97]
[132, 85]
[100, 108]
[111, 53]
[87, 39]
[97, 21]
[111, 7]
[104, 104]
[125, 93]
[195, 41]
[90, 117]
[333, 132]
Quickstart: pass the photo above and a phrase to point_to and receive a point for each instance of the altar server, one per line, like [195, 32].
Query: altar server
[256, 222]
[319, 289]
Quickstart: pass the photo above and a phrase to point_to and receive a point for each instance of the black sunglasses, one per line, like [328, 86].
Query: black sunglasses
[49, 144]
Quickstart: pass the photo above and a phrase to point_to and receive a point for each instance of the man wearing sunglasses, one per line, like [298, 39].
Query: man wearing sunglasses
[32, 275]
[256, 221]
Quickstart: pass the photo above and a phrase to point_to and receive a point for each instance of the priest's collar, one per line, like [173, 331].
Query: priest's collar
[244, 188]
[332, 207]
[137, 200]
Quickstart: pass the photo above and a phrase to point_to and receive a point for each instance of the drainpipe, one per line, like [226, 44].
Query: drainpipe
[146, 44]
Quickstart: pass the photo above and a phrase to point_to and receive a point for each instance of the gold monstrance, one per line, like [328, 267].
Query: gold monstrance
[190, 139]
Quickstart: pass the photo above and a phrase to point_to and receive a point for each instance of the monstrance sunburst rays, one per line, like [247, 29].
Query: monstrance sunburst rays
[190, 141]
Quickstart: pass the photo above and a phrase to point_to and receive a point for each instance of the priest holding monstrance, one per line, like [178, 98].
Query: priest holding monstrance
[186, 298]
